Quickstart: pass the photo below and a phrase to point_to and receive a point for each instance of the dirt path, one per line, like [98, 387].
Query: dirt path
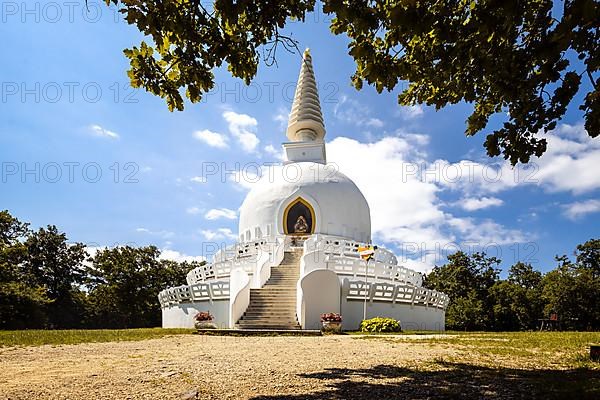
[290, 368]
[173, 367]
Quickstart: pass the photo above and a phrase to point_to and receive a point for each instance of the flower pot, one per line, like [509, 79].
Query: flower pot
[205, 325]
[332, 326]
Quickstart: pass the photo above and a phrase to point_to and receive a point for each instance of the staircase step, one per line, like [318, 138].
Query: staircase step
[276, 321]
[270, 327]
[274, 305]
[273, 294]
[263, 322]
[287, 313]
[271, 309]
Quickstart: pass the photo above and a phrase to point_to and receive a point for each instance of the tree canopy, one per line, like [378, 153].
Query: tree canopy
[480, 300]
[523, 59]
[48, 282]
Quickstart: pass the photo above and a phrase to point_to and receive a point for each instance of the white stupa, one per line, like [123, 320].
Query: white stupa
[297, 256]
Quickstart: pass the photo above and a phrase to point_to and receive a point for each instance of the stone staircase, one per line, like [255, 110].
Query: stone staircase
[274, 305]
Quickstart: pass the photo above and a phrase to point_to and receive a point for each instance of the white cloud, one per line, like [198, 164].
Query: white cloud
[411, 112]
[405, 206]
[579, 209]
[212, 139]
[245, 178]
[241, 127]
[217, 213]
[99, 131]
[282, 116]
[198, 179]
[374, 122]
[173, 255]
[569, 165]
[473, 203]
[277, 153]
[485, 233]
[353, 112]
[193, 210]
[219, 234]
[163, 233]
[165, 254]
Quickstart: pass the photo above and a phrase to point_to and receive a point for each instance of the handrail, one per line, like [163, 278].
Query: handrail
[394, 293]
[266, 262]
[202, 291]
[239, 295]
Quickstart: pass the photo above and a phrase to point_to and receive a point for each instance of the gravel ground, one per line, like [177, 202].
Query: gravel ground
[211, 367]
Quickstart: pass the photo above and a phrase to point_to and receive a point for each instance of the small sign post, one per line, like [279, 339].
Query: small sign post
[366, 253]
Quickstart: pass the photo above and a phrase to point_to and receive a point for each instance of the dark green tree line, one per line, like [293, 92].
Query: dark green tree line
[482, 301]
[47, 282]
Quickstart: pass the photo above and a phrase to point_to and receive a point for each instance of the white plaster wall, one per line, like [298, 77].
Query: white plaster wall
[340, 207]
[182, 315]
[239, 292]
[318, 292]
[411, 318]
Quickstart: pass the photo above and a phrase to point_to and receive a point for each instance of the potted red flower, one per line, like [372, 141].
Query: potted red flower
[204, 320]
[332, 322]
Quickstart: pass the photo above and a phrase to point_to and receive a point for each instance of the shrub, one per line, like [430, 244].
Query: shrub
[331, 317]
[203, 316]
[380, 324]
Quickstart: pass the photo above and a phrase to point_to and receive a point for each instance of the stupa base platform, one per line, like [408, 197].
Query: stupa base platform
[259, 332]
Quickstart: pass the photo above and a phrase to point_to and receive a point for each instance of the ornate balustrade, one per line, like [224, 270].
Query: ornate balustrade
[241, 255]
[393, 293]
[202, 291]
[357, 268]
[342, 257]
[211, 281]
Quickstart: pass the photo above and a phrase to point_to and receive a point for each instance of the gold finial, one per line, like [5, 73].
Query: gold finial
[307, 53]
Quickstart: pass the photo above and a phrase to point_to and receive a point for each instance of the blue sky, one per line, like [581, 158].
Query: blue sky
[67, 115]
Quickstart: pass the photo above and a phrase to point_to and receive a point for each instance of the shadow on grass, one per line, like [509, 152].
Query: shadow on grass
[451, 381]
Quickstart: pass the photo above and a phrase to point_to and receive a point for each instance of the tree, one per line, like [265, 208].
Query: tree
[124, 283]
[21, 305]
[517, 300]
[467, 280]
[572, 290]
[524, 59]
[588, 256]
[57, 265]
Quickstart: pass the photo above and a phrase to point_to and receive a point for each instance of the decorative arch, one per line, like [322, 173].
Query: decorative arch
[291, 214]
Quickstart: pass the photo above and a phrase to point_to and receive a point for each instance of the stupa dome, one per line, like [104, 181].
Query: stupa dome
[328, 200]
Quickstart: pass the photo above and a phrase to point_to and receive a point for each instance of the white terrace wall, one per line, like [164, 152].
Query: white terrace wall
[318, 292]
[410, 317]
[182, 314]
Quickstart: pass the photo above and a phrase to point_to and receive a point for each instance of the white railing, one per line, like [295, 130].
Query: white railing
[357, 268]
[342, 256]
[202, 291]
[332, 245]
[393, 293]
[264, 264]
[240, 295]
[241, 256]
[212, 281]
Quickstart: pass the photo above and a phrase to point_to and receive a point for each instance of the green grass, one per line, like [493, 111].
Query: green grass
[544, 365]
[403, 333]
[75, 336]
[548, 349]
